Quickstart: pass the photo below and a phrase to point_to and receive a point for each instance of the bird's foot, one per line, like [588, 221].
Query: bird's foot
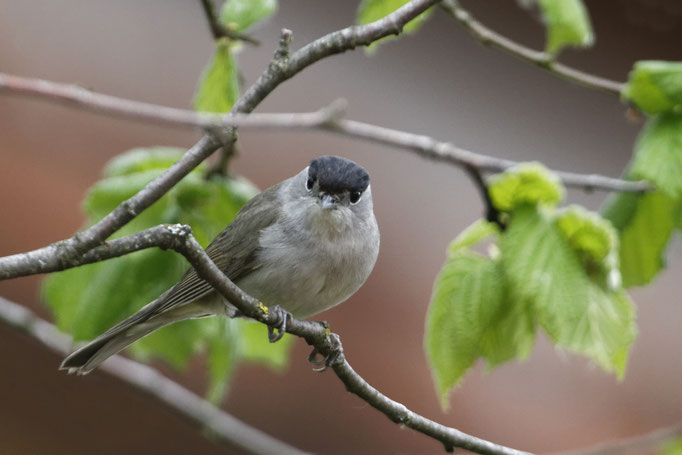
[279, 328]
[335, 353]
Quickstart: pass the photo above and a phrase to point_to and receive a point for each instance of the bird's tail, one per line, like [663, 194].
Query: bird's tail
[140, 324]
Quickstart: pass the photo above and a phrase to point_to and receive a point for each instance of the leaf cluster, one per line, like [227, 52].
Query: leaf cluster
[551, 269]
[88, 300]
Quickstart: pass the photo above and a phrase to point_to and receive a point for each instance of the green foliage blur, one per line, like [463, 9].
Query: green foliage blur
[88, 300]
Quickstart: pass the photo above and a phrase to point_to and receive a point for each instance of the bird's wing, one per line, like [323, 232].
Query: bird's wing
[233, 250]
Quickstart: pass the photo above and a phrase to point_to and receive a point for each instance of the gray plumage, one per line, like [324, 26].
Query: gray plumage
[305, 244]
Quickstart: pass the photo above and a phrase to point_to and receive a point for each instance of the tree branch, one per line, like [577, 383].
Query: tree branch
[327, 119]
[277, 72]
[491, 213]
[180, 239]
[639, 444]
[428, 147]
[218, 30]
[543, 60]
[223, 427]
[78, 97]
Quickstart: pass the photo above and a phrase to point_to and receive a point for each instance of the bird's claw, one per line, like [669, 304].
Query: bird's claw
[321, 363]
[283, 318]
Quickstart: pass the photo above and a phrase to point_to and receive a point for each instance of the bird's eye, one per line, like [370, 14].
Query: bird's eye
[309, 183]
[355, 197]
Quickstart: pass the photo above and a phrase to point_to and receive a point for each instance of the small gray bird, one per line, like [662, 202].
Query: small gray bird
[305, 244]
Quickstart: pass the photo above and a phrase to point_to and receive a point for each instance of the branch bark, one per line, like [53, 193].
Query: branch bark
[326, 119]
[543, 60]
[280, 69]
[225, 428]
[180, 239]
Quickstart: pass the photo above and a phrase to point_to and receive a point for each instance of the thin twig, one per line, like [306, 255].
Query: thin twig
[491, 213]
[279, 70]
[225, 428]
[327, 118]
[81, 98]
[218, 30]
[638, 444]
[543, 60]
[430, 148]
[180, 239]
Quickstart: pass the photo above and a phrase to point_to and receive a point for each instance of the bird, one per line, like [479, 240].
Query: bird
[305, 245]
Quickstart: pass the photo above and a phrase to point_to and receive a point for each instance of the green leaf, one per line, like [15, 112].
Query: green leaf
[568, 24]
[239, 15]
[373, 10]
[620, 209]
[655, 86]
[658, 154]
[672, 446]
[525, 184]
[645, 224]
[223, 354]
[145, 159]
[88, 300]
[256, 348]
[472, 235]
[219, 84]
[174, 344]
[467, 295]
[594, 240]
[576, 312]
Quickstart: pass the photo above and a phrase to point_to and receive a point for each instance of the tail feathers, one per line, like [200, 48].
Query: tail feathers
[87, 358]
[137, 326]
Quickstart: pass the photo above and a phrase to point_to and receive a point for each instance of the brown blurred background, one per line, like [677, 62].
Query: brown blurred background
[438, 82]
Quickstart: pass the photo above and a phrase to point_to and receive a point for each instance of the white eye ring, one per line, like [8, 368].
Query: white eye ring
[355, 195]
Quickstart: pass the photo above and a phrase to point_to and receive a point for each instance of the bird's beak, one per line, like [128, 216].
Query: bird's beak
[327, 201]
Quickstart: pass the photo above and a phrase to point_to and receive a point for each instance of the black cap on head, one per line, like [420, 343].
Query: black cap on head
[335, 174]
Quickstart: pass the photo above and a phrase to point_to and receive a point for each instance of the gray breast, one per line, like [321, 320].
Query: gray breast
[310, 261]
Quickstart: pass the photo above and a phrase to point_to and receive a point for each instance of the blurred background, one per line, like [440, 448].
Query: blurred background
[439, 82]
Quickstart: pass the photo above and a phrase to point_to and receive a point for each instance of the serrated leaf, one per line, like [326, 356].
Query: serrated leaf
[568, 24]
[525, 184]
[373, 10]
[658, 154]
[511, 333]
[645, 234]
[575, 311]
[219, 84]
[472, 235]
[467, 295]
[588, 234]
[239, 15]
[655, 86]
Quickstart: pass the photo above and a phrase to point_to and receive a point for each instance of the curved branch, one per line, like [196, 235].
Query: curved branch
[543, 60]
[179, 238]
[225, 428]
[277, 72]
[327, 118]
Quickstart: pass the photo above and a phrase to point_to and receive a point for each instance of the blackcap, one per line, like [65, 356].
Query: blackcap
[305, 244]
